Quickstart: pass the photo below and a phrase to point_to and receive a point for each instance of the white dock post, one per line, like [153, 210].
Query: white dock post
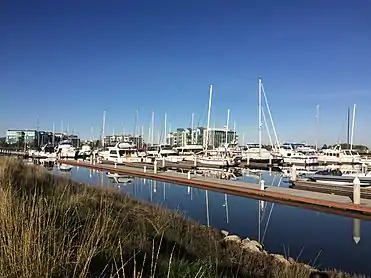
[262, 184]
[194, 161]
[145, 169]
[356, 191]
[115, 165]
[248, 160]
[155, 166]
[364, 168]
[293, 173]
[270, 161]
[163, 162]
[189, 175]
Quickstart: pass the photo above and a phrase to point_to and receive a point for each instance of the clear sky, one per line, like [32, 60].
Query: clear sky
[70, 60]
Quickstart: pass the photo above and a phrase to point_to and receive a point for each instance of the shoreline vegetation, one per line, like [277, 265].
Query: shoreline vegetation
[54, 227]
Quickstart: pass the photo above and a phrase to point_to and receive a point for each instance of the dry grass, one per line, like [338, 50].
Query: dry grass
[53, 227]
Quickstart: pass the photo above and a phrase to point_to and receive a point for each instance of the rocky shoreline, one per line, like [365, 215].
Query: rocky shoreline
[254, 246]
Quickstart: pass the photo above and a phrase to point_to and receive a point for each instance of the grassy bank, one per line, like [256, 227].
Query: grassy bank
[52, 227]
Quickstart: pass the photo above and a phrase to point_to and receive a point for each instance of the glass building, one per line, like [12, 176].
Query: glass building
[15, 136]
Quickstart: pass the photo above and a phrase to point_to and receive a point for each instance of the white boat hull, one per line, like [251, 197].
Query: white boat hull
[301, 161]
[216, 162]
[338, 160]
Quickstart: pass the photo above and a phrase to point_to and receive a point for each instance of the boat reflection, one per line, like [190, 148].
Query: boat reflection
[119, 179]
[64, 167]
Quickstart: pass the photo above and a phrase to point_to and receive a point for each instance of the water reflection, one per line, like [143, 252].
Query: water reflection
[356, 230]
[308, 234]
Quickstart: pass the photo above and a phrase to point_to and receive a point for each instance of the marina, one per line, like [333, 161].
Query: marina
[314, 237]
[339, 204]
[180, 139]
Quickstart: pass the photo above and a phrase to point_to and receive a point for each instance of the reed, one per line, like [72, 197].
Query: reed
[54, 227]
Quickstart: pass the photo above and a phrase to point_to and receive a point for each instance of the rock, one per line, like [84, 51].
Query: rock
[233, 238]
[225, 233]
[257, 244]
[281, 259]
[252, 245]
[245, 241]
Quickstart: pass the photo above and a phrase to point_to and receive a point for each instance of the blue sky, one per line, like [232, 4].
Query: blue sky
[69, 60]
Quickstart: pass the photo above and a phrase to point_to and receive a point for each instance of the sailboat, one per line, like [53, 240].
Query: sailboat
[256, 152]
[337, 155]
[221, 159]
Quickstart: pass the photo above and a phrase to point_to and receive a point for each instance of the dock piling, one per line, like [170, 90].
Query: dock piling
[115, 165]
[356, 191]
[262, 184]
[163, 162]
[194, 161]
[189, 175]
[144, 169]
[155, 166]
[293, 173]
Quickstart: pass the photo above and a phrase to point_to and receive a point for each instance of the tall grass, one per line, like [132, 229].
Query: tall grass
[54, 227]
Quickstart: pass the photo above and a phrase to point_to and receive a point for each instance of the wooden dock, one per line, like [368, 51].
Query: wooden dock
[342, 190]
[295, 197]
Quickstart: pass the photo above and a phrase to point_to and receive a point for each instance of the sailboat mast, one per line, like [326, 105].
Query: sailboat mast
[348, 128]
[142, 135]
[234, 132]
[226, 128]
[153, 128]
[165, 130]
[53, 139]
[208, 117]
[260, 115]
[103, 127]
[192, 122]
[353, 123]
[317, 125]
[135, 132]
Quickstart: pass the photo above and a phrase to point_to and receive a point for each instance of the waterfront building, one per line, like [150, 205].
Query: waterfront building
[22, 136]
[35, 138]
[186, 136]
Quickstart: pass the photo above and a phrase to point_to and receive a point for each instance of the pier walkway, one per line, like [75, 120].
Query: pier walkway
[329, 203]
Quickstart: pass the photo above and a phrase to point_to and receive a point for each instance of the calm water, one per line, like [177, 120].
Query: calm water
[310, 235]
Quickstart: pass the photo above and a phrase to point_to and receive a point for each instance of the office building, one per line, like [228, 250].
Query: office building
[22, 136]
[34, 138]
[186, 136]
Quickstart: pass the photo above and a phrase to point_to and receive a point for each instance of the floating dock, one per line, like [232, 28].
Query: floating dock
[342, 190]
[319, 201]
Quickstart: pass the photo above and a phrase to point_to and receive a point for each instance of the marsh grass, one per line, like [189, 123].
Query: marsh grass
[54, 227]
